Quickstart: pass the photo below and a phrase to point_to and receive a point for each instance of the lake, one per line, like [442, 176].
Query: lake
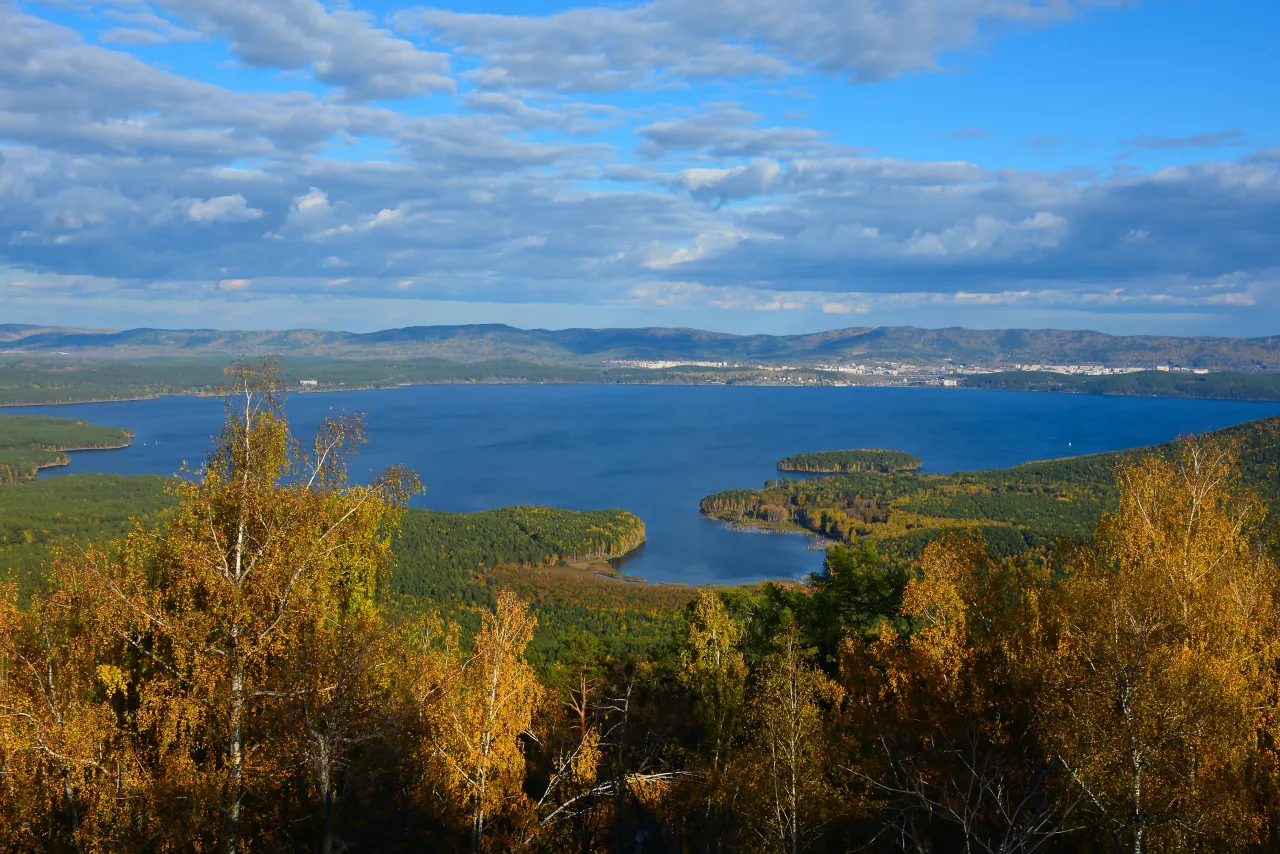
[657, 450]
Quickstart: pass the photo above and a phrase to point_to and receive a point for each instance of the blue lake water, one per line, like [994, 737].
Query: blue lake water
[657, 450]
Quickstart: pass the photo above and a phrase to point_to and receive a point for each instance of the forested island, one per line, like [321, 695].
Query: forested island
[272, 656]
[29, 443]
[868, 459]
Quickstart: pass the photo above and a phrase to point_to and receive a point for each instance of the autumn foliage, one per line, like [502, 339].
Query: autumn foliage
[239, 680]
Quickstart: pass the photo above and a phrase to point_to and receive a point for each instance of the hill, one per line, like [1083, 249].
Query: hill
[991, 348]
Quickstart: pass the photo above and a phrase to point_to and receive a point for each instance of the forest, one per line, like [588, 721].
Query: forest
[867, 459]
[1023, 509]
[29, 443]
[449, 544]
[235, 675]
[39, 518]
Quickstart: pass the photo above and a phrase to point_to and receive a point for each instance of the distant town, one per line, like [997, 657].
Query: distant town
[947, 375]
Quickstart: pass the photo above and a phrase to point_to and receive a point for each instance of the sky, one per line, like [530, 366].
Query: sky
[770, 166]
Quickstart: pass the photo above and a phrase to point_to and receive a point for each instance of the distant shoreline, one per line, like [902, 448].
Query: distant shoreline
[664, 383]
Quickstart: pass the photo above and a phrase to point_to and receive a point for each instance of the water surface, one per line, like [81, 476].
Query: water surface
[657, 450]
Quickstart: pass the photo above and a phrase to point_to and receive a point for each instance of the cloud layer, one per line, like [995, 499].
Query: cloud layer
[449, 156]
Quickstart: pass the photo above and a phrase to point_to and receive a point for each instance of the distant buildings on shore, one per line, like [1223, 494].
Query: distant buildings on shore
[1102, 370]
[659, 364]
[949, 374]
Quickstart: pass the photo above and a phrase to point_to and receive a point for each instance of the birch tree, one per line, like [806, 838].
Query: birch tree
[477, 713]
[69, 777]
[785, 761]
[269, 541]
[1160, 657]
[713, 670]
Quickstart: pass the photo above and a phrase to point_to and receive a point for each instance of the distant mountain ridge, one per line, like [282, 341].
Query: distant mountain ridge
[991, 348]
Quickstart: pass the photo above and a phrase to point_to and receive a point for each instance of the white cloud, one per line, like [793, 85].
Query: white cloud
[314, 202]
[231, 208]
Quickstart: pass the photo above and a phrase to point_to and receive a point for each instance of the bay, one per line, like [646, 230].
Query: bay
[657, 450]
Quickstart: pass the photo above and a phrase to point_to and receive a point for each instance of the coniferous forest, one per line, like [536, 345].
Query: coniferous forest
[238, 670]
[29, 443]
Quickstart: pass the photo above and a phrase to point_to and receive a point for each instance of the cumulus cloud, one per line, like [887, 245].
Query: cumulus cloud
[232, 208]
[717, 186]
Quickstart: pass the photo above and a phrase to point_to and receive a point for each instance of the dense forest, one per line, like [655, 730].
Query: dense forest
[455, 563]
[1218, 386]
[1023, 509]
[868, 459]
[236, 675]
[39, 518]
[446, 544]
[29, 443]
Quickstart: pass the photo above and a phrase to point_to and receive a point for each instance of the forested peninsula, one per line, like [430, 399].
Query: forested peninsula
[863, 460]
[29, 443]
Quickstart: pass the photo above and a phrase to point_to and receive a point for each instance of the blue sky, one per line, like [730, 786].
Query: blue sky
[739, 165]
